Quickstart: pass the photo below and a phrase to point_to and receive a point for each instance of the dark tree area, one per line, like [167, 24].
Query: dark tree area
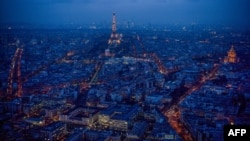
[242, 102]
[178, 92]
[221, 80]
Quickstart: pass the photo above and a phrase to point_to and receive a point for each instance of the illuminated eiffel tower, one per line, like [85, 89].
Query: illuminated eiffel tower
[115, 38]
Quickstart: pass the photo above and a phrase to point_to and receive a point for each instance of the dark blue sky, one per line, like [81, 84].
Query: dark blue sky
[230, 12]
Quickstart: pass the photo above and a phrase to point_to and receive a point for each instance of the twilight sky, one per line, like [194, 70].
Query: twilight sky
[229, 12]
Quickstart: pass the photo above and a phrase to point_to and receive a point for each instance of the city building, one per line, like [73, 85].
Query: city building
[162, 132]
[138, 131]
[77, 134]
[35, 121]
[80, 115]
[119, 117]
[231, 56]
[53, 131]
[93, 135]
[152, 84]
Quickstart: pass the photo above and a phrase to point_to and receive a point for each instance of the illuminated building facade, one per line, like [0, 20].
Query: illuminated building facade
[81, 116]
[53, 131]
[231, 56]
[119, 117]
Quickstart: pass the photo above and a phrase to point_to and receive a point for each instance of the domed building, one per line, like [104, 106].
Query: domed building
[231, 56]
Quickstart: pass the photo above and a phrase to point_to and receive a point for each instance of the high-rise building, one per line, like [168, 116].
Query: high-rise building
[115, 38]
[231, 56]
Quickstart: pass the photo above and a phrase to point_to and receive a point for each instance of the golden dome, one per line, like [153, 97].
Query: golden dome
[231, 52]
[231, 56]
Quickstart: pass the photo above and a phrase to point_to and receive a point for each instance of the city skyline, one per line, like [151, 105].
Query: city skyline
[223, 12]
[73, 70]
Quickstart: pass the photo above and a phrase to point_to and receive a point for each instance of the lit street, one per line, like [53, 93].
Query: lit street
[173, 113]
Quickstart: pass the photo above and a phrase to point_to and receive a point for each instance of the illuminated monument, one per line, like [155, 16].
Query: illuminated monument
[115, 38]
[231, 56]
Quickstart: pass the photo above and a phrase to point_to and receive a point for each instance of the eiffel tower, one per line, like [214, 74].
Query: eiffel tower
[115, 38]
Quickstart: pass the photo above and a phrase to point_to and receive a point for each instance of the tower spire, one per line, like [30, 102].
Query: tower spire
[114, 37]
[114, 23]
